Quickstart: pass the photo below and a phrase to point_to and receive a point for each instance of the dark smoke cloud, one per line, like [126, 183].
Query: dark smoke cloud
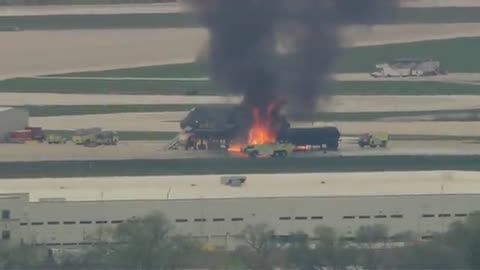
[246, 36]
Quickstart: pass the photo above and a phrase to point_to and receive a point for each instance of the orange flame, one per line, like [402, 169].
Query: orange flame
[235, 148]
[260, 132]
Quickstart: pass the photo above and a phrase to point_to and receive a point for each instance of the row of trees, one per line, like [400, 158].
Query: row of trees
[147, 243]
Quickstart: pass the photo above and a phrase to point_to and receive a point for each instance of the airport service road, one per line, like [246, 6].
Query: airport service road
[156, 150]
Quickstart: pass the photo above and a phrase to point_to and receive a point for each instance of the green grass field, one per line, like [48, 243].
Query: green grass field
[127, 135]
[437, 15]
[208, 88]
[404, 15]
[57, 22]
[134, 87]
[235, 166]
[455, 55]
[102, 109]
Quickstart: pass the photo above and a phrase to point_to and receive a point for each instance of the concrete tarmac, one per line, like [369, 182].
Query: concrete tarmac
[156, 150]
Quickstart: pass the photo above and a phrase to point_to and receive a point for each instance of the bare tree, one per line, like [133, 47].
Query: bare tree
[465, 236]
[259, 245]
[147, 243]
[371, 241]
[22, 256]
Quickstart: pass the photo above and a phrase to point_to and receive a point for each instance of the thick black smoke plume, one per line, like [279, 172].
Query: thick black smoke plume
[280, 50]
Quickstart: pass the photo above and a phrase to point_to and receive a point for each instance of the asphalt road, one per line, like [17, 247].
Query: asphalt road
[156, 150]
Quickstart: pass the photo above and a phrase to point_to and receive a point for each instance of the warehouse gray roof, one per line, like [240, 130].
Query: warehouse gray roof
[268, 185]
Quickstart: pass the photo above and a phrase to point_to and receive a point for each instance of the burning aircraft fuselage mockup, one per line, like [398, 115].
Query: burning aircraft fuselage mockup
[234, 126]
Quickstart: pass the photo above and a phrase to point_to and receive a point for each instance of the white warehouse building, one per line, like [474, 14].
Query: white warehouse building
[75, 211]
[12, 119]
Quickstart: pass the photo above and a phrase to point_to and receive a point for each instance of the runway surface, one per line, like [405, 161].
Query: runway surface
[160, 8]
[34, 53]
[156, 150]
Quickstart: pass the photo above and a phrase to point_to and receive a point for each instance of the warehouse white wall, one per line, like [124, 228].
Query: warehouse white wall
[12, 119]
[87, 221]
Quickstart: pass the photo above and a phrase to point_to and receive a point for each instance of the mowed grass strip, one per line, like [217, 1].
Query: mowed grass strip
[404, 15]
[455, 55]
[436, 15]
[134, 87]
[235, 166]
[191, 88]
[126, 135]
[63, 110]
[100, 21]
